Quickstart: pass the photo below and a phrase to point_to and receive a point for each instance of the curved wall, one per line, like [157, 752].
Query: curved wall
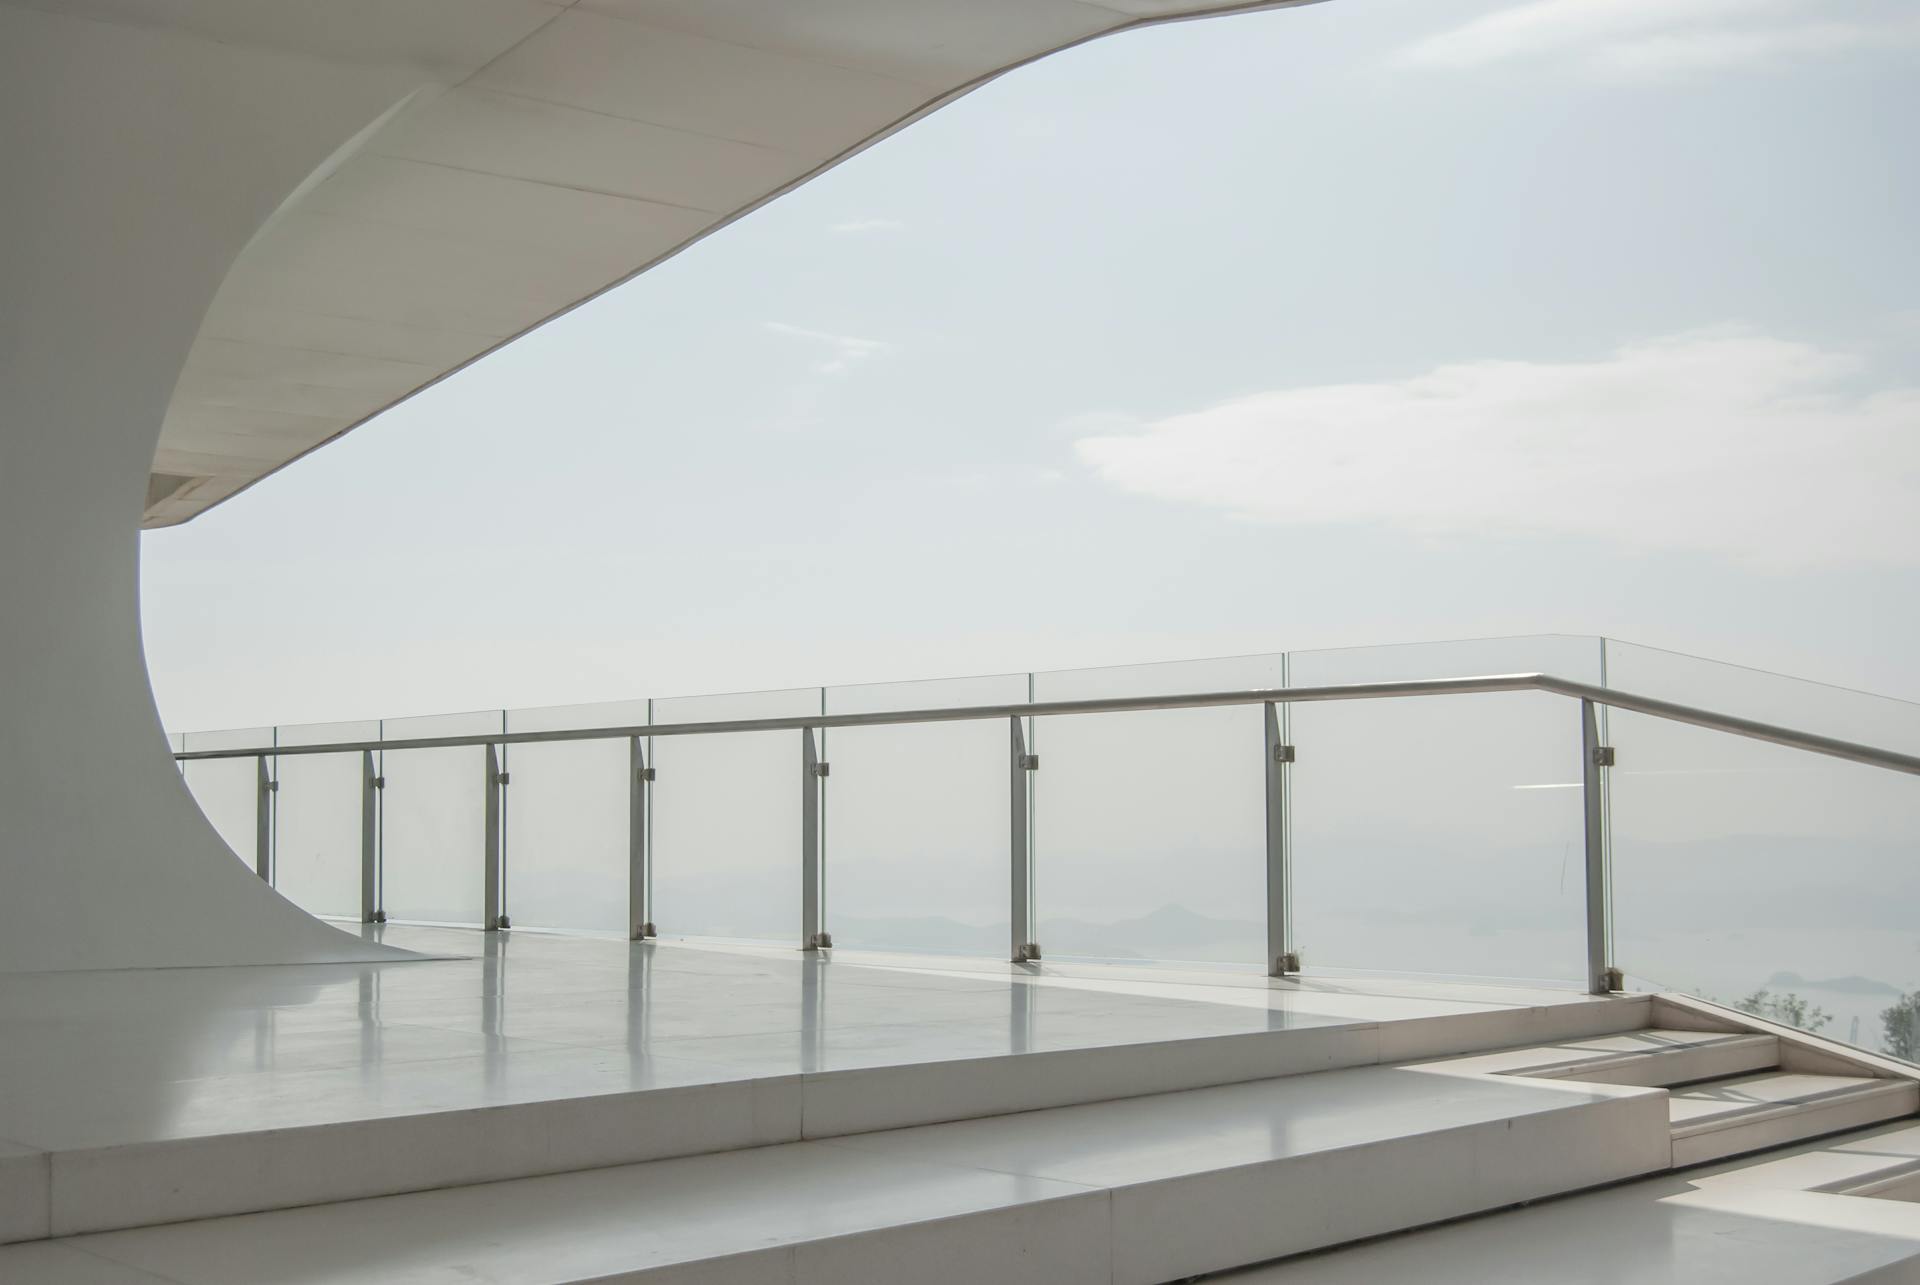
[138, 162]
[137, 165]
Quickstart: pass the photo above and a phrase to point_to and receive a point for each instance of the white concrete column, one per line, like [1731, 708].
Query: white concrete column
[134, 167]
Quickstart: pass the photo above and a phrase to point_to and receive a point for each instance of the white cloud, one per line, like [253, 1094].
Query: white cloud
[868, 225]
[1643, 38]
[1723, 441]
[846, 351]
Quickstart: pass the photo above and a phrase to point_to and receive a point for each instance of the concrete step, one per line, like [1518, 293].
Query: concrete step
[1133, 1192]
[292, 1139]
[1785, 1218]
[1750, 1113]
[1648, 1057]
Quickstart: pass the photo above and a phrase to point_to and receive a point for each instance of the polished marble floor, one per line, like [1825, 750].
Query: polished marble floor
[108, 1058]
[735, 1093]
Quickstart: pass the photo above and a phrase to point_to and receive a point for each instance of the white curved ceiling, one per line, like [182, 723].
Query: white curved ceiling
[558, 149]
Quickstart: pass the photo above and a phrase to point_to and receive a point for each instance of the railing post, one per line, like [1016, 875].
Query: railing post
[813, 933]
[1595, 759]
[1282, 958]
[639, 858]
[492, 916]
[370, 785]
[265, 785]
[1024, 948]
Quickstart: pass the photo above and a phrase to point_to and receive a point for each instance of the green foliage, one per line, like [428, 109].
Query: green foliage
[1788, 1009]
[1901, 1027]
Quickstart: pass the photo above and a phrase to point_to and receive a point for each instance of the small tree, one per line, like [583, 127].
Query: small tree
[1901, 1026]
[1789, 1009]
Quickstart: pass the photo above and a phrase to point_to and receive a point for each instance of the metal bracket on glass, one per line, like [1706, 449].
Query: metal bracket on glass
[1283, 754]
[647, 773]
[1603, 756]
[1616, 980]
[379, 782]
[821, 769]
[1287, 964]
[1029, 953]
[1030, 762]
[821, 941]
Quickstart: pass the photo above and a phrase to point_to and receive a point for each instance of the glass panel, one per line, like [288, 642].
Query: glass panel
[228, 790]
[1764, 877]
[726, 819]
[317, 820]
[1441, 834]
[1771, 698]
[916, 820]
[567, 820]
[1150, 828]
[433, 821]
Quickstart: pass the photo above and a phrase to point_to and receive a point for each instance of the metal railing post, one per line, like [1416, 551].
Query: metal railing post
[493, 916]
[1024, 948]
[639, 871]
[1595, 759]
[813, 933]
[370, 785]
[1282, 958]
[265, 785]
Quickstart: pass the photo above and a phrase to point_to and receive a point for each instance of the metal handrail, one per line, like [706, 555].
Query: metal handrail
[1282, 956]
[1752, 729]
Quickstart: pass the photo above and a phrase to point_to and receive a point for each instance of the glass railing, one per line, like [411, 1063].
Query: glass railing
[1468, 809]
[1382, 831]
[1778, 882]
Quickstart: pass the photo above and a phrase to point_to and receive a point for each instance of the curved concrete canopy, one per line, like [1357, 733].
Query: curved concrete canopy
[559, 149]
[232, 229]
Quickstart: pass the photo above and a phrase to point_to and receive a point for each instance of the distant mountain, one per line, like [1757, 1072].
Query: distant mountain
[1851, 985]
[1170, 932]
[926, 932]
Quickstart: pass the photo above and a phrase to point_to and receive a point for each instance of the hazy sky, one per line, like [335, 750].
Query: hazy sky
[1370, 321]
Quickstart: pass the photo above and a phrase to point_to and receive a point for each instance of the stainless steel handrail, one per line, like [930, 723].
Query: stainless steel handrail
[1752, 729]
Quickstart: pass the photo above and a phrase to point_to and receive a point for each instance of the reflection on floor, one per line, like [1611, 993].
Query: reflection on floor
[111, 1058]
[129, 1098]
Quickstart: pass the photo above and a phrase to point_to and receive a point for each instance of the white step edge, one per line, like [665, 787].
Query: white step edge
[174, 1180]
[1769, 1219]
[1651, 1057]
[1121, 1193]
[1902, 1184]
[1681, 1064]
[1764, 1125]
[1799, 1050]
